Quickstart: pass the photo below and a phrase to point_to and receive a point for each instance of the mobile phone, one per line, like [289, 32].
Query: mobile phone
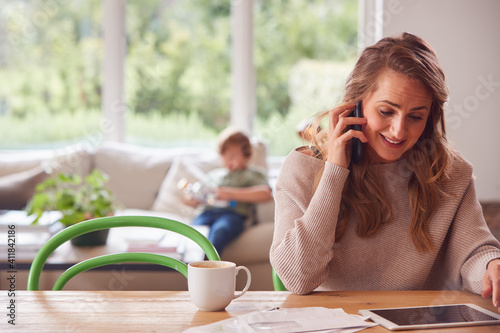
[357, 146]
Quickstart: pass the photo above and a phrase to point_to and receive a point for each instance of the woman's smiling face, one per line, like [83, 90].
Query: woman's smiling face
[396, 115]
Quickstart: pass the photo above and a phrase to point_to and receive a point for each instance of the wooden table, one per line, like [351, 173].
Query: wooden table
[172, 311]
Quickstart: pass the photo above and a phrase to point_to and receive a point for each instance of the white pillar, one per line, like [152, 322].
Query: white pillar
[370, 22]
[243, 96]
[113, 96]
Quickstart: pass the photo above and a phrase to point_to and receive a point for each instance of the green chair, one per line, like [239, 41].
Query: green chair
[277, 283]
[112, 222]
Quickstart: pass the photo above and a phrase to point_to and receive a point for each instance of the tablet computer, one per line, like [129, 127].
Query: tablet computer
[437, 316]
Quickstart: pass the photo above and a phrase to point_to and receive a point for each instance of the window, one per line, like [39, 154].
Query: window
[177, 70]
[50, 72]
[304, 51]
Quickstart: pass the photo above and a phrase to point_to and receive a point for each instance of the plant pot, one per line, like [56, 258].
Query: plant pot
[93, 238]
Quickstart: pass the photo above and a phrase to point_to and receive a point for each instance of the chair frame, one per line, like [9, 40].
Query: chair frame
[112, 222]
[277, 283]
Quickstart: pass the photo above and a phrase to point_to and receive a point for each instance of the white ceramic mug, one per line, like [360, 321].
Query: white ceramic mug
[212, 284]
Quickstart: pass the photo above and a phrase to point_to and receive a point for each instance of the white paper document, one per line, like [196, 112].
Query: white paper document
[312, 319]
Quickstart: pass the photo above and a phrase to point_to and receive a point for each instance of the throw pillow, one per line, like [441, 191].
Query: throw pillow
[193, 169]
[18, 188]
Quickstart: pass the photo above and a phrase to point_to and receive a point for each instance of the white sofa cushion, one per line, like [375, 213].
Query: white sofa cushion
[14, 162]
[135, 172]
[20, 172]
[259, 155]
[70, 159]
[252, 246]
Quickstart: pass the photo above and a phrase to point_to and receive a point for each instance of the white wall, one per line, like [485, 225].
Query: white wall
[466, 37]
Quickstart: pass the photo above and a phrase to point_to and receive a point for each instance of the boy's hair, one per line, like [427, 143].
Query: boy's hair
[230, 137]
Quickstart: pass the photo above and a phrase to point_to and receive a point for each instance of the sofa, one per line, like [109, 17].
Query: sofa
[144, 181]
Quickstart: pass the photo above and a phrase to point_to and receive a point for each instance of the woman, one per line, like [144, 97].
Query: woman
[406, 217]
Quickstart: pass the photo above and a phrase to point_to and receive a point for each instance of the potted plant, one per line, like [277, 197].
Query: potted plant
[78, 200]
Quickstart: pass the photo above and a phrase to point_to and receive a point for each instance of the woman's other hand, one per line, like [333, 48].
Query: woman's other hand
[491, 283]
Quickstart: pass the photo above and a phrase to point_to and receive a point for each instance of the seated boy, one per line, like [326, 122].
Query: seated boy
[237, 185]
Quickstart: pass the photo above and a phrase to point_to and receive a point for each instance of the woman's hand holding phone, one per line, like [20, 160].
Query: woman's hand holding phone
[339, 137]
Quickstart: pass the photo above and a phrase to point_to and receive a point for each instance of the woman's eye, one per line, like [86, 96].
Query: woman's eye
[385, 113]
[416, 118]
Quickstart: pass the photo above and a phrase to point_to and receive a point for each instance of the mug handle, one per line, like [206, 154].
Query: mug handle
[249, 279]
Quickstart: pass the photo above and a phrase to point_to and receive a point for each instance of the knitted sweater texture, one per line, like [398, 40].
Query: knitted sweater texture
[306, 257]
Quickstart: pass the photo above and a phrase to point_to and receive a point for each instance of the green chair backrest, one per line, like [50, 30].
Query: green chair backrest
[277, 283]
[112, 222]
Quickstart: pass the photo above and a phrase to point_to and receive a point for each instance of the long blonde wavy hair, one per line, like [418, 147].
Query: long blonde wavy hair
[426, 162]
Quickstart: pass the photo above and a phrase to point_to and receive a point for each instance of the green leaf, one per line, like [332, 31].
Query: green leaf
[65, 200]
[73, 218]
[47, 184]
[75, 199]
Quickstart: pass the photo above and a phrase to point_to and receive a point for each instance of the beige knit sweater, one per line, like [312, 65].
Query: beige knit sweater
[306, 257]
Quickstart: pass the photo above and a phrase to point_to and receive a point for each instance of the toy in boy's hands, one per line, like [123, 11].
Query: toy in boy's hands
[200, 193]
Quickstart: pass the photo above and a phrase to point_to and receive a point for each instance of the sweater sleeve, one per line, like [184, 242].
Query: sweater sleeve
[305, 221]
[469, 242]
[474, 242]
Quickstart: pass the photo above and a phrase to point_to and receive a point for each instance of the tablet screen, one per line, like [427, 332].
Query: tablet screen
[445, 314]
